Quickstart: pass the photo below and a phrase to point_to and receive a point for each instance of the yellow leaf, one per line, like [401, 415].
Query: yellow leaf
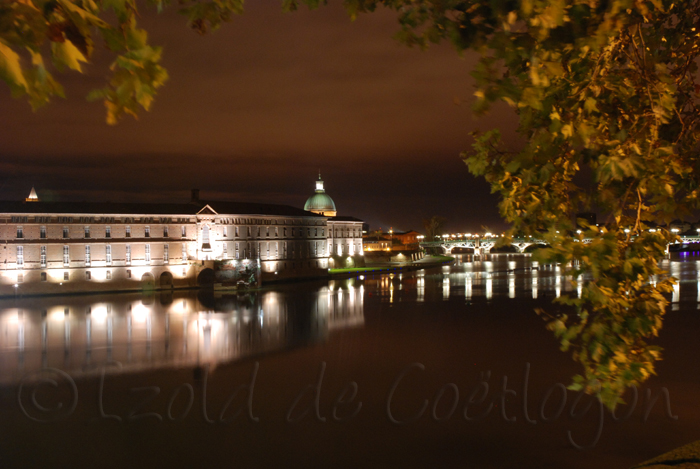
[10, 69]
[67, 54]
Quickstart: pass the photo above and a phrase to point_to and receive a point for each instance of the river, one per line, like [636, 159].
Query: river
[445, 367]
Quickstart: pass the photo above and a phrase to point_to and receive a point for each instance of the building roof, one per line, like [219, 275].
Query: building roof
[117, 208]
[32, 196]
[404, 233]
[374, 239]
[344, 219]
[320, 201]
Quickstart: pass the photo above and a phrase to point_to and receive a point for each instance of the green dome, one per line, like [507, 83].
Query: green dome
[321, 202]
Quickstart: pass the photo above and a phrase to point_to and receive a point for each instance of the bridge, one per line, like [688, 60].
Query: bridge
[484, 244]
[481, 245]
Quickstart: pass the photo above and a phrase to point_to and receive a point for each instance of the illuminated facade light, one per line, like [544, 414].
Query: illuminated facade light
[114, 247]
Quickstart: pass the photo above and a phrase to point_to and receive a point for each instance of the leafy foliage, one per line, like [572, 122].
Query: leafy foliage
[38, 37]
[607, 103]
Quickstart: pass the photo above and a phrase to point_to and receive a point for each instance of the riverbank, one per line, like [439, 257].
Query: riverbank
[425, 263]
[687, 457]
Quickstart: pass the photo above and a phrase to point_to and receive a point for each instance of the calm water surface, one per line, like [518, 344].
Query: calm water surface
[447, 367]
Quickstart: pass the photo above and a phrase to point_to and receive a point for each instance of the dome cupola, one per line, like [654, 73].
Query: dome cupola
[320, 202]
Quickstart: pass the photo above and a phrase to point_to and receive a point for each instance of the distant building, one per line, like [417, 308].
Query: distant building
[56, 248]
[376, 243]
[408, 239]
[392, 241]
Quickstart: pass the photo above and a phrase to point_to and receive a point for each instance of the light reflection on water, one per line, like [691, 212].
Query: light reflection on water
[80, 334]
[509, 276]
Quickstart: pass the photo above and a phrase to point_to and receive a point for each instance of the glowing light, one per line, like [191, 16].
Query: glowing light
[140, 313]
[57, 315]
[13, 318]
[99, 313]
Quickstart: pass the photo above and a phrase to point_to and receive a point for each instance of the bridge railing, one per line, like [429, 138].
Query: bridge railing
[491, 240]
[473, 241]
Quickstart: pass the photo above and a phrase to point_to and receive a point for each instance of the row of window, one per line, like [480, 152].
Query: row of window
[319, 248]
[108, 254]
[250, 230]
[108, 232]
[339, 233]
[64, 219]
[205, 232]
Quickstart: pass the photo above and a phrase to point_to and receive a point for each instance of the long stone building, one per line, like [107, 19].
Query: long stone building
[55, 248]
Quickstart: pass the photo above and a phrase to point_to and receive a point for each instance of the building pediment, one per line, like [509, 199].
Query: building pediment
[207, 210]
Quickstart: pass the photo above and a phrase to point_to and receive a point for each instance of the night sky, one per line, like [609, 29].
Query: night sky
[254, 110]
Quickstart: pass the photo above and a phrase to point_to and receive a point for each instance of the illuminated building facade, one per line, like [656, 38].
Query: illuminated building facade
[58, 248]
[344, 233]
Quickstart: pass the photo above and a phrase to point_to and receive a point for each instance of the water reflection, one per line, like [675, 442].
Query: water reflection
[79, 334]
[512, 276]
